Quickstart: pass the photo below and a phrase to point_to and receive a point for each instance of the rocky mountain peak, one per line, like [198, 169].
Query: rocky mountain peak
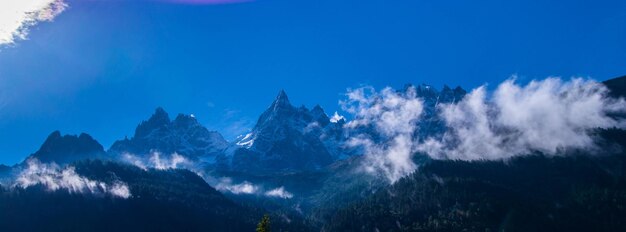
[320, 116]
[183, 120]
[281, 101]
[67, 148]
[184, 135]
[159, 120]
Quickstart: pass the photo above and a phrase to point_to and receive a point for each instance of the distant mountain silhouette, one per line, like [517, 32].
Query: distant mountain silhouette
[68, 148]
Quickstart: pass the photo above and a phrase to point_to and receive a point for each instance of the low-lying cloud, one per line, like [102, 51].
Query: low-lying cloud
[17, 17]
[394, 116]
[54, 178]
[158, 161]
[279, 192]
[549, 116]
[245, 187]
[241, 188]
[226, 184]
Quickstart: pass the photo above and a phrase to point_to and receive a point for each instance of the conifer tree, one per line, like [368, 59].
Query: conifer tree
[264, 224]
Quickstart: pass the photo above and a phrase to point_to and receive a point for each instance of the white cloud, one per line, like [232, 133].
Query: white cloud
[173, 162]
[121, 190]
[279, 192]
[226, 185]
[157, 161]
[54, 178]
[546, 116]
[17, 16]
[394, 116]
[245, 187]
[134, 160]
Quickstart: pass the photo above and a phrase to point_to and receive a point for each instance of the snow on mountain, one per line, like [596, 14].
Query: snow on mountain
[285, 138]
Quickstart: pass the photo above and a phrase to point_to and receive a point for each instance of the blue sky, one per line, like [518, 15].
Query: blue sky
[103, 66]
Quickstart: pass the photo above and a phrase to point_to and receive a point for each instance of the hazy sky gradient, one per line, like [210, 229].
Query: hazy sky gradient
[103, 66]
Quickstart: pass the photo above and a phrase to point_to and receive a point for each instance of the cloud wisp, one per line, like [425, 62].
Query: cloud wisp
[241, 188]
[226, 185]
[279, 192]
[17, 17]
[54, 178]
[548, 116]
[394, 116]
[158, 161]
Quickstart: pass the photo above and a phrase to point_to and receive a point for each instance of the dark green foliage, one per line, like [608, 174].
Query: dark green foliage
[285, 217]
[171, 200]
[346, 185]
[264, 224]
[534, 193]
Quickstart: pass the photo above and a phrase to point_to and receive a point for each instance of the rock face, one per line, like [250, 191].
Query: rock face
[184, 135]
[285, 138]
[68, 148]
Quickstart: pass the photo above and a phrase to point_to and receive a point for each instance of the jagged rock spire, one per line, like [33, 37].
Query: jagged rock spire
[281, 100]
[159, 119]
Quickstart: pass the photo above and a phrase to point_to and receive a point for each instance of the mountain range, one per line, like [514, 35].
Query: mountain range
[296, 165]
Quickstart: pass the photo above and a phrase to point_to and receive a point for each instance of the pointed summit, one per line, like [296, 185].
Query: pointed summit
[55, 135]
[281, 100]
[281, 108]
[159, 116]
[282, 94]
[319, 115]
[159, 119]
[317, 108]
